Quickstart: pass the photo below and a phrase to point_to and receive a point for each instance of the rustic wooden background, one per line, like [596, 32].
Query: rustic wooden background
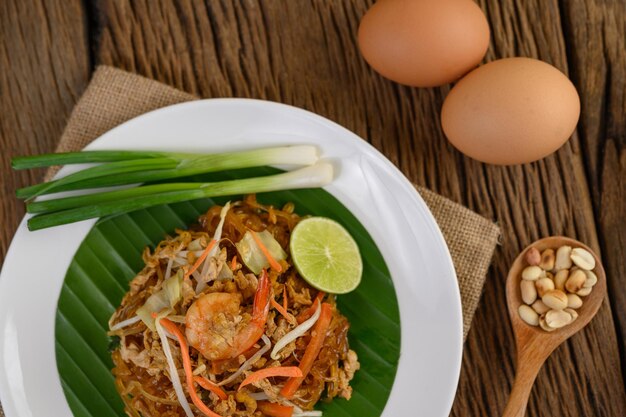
[303, 52]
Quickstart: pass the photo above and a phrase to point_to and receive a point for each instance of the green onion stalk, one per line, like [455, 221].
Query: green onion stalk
[77, 208]
[134, 167]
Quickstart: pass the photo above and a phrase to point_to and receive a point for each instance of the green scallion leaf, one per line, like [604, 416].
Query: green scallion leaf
[85, 157]
[137, 198]
[99, 171]
[161, 166]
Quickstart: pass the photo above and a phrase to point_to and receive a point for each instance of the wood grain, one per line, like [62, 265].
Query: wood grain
[44, 67]
[304, 53]
[594, 33]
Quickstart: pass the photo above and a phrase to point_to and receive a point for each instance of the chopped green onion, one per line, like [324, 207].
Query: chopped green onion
[163, 165]
[316, 175]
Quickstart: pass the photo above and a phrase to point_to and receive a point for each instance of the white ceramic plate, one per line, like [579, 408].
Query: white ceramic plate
[366, 183]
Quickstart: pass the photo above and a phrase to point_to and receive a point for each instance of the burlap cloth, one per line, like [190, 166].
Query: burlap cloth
[115, 96]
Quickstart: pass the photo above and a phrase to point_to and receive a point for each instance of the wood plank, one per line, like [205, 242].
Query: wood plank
[304, 54]
[44, 67]
[596, 44]
[545, 192]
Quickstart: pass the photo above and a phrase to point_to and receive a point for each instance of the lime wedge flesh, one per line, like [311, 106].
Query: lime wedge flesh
[325, 255]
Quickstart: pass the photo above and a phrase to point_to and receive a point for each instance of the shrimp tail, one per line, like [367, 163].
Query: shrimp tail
[260, 311]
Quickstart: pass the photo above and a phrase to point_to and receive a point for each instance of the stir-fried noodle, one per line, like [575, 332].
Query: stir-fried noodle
[222, 322]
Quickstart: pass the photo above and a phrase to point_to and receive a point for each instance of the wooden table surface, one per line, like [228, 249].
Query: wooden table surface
[304, 53]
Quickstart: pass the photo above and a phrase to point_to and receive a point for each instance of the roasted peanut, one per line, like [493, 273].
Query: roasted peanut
[532, 273]
[528, 315]
[555, 299]
[544, 325]
[558, 318]
[560, 278]
[544, 285]
[533, 257]
[574, 301]
[575, 281]
[547, 260]
[592, 279]
[563, 260]
[572, 313]
[529, 292]
[552, 285]
[540, 307]
[583, 259]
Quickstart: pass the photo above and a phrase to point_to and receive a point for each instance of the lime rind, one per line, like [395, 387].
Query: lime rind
[326, 255]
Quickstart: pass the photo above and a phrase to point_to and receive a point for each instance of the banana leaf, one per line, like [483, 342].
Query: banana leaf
[110, 256]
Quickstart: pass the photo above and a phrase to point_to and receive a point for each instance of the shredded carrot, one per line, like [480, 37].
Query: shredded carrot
[274, 410]
[233, 263]
[201, 258]
[292, 371]
[312, 351]
[290, 318]
[184, 352]
[208, 385]
[273, 263]
[285, 303]
[306, 314]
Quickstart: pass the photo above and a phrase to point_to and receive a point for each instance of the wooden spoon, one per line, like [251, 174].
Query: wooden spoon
[534, 344]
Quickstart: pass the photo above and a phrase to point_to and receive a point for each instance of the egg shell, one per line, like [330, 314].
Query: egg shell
[511, 111]
[423, 43]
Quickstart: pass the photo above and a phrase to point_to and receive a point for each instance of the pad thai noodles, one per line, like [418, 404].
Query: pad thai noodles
[219, 323]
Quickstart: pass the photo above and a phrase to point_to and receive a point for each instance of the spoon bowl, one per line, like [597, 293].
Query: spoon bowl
[534, 344]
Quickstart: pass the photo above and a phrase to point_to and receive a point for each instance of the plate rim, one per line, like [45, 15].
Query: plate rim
[9, 400]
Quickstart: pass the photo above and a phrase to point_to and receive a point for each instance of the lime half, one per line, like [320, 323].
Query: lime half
[325, 255]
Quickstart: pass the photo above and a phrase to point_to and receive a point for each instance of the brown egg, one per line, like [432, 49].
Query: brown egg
[511, 111]
[423, 43]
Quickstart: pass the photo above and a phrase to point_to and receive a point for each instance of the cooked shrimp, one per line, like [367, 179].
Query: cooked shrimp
[217, 329]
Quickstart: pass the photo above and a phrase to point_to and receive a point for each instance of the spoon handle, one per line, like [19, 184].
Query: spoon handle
[527, 370]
